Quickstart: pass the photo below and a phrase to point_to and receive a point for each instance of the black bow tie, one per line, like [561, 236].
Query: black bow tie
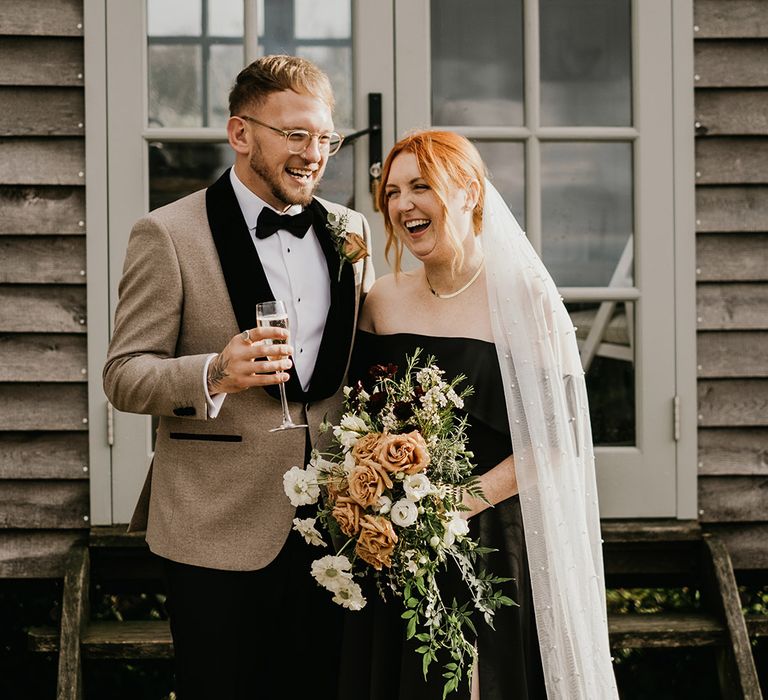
[270, 221]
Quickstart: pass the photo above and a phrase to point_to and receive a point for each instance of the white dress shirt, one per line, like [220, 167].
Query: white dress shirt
[297, 273]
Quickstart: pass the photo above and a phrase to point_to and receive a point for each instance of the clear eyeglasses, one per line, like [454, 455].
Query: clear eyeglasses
[298, 140]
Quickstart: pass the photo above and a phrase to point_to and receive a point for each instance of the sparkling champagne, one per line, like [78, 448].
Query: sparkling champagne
[272, 314]
[273, 321]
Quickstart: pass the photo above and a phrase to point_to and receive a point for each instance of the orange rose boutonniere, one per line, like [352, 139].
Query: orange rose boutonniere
[350, 245]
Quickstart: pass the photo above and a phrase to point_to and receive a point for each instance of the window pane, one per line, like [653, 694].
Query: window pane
[174, 17]
[178, 169]
[338, 183]
[506, 166]
[586, 201]
[586, 77]
[175, 85]
[330, 19]
[611, 372]
[225, 18]
[336, 61]
[477, 62]
[226, 62]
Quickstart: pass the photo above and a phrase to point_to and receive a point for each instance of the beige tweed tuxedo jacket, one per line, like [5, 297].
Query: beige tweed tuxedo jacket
[213, 496]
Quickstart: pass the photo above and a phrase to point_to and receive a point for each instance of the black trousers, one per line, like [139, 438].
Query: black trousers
[271, 633]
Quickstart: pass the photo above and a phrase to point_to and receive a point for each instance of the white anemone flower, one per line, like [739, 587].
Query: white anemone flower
[350, 596]
[332, 572]
[416, 486]
[404, 513]
[301, 487]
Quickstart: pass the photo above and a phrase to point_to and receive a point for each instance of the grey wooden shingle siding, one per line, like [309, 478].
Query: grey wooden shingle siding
[43, 385]
[731, 90]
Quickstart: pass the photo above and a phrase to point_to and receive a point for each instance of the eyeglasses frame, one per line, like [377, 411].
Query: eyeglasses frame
[286, 133]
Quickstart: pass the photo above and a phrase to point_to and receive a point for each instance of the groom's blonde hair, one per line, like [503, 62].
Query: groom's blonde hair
[276, 73]
[446, 161]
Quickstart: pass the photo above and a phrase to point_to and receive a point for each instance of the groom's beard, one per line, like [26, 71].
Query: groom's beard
[277, 188]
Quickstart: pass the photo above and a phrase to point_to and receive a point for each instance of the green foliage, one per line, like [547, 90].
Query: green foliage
[651, 600]
[754, 600]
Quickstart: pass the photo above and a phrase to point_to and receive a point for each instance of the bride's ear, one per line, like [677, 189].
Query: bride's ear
[473, 194]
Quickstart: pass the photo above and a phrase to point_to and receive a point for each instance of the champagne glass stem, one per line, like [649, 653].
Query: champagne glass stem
[287, 420]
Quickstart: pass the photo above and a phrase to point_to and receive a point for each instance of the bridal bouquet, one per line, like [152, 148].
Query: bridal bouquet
[390, 493]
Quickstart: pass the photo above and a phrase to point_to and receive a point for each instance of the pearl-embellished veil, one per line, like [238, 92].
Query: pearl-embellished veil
[548, 414]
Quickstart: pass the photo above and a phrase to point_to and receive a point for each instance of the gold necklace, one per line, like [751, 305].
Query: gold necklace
[458, 291]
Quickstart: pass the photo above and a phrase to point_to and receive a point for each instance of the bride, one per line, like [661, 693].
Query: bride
[484, 306]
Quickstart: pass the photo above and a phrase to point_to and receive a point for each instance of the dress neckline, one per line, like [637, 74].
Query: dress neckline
[431, 337]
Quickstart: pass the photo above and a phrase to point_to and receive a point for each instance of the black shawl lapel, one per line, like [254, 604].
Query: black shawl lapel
[337, 336]
[243, 272]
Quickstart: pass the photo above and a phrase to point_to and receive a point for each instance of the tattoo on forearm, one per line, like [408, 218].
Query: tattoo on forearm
[217, 372]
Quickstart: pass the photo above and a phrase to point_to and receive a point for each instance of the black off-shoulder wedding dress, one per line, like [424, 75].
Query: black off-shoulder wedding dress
[377, 662]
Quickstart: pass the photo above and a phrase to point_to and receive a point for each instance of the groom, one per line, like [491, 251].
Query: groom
[246, 617]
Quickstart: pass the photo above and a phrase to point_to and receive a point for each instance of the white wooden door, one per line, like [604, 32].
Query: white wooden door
[570, 102]
[170, 64]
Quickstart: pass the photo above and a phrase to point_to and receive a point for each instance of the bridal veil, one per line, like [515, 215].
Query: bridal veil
[549, 420]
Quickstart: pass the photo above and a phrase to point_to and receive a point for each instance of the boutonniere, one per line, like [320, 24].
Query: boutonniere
[350, 245]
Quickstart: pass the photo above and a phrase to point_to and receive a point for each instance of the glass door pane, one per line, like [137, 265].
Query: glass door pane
[194, 49]
[586, 72]
[587, 216]
[477, 62]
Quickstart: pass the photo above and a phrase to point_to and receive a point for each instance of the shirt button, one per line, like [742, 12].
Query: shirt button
[298, 300]
[301, 350]
[289, 250]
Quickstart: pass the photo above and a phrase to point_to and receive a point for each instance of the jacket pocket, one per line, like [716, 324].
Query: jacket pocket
[209, 437]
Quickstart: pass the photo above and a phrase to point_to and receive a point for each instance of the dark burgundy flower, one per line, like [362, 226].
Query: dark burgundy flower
[403, 410]
[377, 402]
[377, 372]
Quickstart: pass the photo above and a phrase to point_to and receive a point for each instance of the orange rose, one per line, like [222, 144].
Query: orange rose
[347, 514]
[365, 451]
[353, 249]
[376, 542]
[365, 485]
[403, 453]
[336, 486]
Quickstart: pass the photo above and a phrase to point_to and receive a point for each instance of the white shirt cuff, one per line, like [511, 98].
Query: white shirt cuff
[214, 402]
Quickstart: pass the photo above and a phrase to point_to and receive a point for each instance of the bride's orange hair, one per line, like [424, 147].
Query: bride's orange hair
[446, 161]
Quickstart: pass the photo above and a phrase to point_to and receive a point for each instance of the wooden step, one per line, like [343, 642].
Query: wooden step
[667, 630]
[112, 640]
[152, 639]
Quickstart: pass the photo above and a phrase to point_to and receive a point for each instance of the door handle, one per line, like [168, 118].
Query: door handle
[374, 144]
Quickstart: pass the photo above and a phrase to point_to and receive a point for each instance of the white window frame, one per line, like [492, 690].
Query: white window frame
[386, 35]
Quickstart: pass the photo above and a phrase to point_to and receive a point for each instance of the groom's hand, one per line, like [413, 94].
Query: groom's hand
[249, 359]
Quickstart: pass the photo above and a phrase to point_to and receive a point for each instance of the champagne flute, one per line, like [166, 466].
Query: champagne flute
[273, 314]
